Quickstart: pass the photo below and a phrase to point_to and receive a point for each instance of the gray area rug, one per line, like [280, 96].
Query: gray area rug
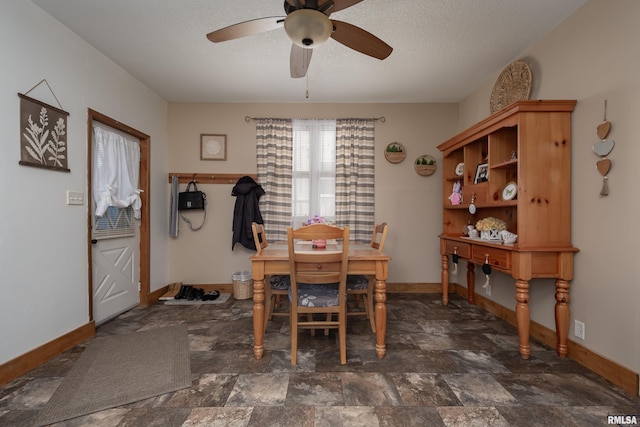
[121, 369]
[220, 300]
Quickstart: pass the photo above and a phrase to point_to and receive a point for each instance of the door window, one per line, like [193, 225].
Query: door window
[116, 222]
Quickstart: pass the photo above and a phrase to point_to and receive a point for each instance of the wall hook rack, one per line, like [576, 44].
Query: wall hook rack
[209, 178]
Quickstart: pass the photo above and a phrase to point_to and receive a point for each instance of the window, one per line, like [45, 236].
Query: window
[314, 170]
[301, 182]
[116, 222]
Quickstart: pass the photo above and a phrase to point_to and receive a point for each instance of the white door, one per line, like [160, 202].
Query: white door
[115, 236]
[116, 264]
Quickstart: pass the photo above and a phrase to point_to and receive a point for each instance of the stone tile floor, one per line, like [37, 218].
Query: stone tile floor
[454, 365]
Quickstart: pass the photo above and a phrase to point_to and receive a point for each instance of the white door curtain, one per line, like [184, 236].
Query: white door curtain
[116, 169]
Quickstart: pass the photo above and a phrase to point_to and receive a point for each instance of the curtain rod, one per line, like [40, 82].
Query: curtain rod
[249, 118]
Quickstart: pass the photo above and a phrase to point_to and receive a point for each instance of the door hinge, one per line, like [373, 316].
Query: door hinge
[139, 286]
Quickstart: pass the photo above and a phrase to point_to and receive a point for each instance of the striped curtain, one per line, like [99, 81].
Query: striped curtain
[355, 189]
[274, 151]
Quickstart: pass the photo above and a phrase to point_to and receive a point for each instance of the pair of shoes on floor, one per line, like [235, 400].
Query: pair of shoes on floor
[210, 296]
[195, 293]
[183, 292]
[190, 293]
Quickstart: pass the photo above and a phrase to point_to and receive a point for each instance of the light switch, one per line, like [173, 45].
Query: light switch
[75, 198]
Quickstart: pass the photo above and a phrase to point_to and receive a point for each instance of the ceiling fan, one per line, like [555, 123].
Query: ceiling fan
[308, 26]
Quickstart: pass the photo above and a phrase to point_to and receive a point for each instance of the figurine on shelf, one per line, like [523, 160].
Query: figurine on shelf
[456, 195]
[473, 233]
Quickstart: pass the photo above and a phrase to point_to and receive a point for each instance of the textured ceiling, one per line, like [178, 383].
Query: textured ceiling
[443, 49]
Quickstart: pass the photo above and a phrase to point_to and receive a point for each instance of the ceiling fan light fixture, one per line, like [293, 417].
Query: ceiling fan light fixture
[308, 28]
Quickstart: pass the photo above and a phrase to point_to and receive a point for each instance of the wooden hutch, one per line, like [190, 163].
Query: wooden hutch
[528, 146]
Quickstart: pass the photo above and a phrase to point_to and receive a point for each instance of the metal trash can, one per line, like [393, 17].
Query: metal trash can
[242, 285]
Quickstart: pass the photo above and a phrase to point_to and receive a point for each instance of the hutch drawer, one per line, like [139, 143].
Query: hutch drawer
[500, 258]
[462, 249]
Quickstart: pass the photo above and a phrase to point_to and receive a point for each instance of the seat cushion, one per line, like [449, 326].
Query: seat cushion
[281, 283]
[317, 295]
[357, 282]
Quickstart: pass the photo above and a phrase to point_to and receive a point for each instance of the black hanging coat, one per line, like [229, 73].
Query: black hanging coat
[246, 211]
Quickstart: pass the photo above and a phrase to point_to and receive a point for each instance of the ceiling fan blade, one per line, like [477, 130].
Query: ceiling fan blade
[246, 28]
[358, 39]
[342, 4]
[327, 7]
[300, 3]
[299, 62]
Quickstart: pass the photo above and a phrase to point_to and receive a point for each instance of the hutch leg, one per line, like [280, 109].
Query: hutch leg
[562, 316]
[445, 280]
[258, 311]
[381, 317]
[523, 316]
[471, 283]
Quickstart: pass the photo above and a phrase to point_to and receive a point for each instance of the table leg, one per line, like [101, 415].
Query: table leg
[562, 316]
[445, 280]
[381, 308]
[471, 283]
[258, 317]
[523, 316]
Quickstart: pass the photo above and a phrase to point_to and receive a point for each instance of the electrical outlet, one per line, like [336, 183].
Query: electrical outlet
[487, 290]
[578, 329]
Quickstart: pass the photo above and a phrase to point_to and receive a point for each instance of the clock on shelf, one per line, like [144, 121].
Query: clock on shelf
[510, 191]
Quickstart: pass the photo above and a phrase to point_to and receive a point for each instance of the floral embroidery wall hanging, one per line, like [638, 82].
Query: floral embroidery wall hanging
[43, 135]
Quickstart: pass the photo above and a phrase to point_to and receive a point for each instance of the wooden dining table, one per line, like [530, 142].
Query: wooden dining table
[363, 259]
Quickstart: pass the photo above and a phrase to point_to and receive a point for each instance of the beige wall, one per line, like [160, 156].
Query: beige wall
[43, 241]
[591, 57]
[409, 203]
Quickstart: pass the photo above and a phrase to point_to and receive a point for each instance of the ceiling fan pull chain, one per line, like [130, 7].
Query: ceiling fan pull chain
[307, 75]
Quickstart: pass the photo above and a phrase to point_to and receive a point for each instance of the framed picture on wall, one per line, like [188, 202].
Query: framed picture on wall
[482, 173]
[43, 135]
[213, 147]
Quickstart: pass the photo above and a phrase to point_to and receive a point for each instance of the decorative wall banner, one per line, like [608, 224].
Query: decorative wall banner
[43, 135]
[602, 149]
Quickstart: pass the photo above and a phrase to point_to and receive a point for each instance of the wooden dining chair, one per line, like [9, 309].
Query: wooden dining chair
[318, 283]
[363, 286]
[276, 287]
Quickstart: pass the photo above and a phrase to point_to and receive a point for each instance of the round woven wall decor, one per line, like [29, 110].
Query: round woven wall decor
[395, 152]
[513, 84]
[425, 165]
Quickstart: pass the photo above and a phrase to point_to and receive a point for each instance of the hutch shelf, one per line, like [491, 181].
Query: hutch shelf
[527, 145]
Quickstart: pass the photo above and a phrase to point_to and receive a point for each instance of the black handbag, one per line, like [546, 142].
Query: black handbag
[191, 199]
